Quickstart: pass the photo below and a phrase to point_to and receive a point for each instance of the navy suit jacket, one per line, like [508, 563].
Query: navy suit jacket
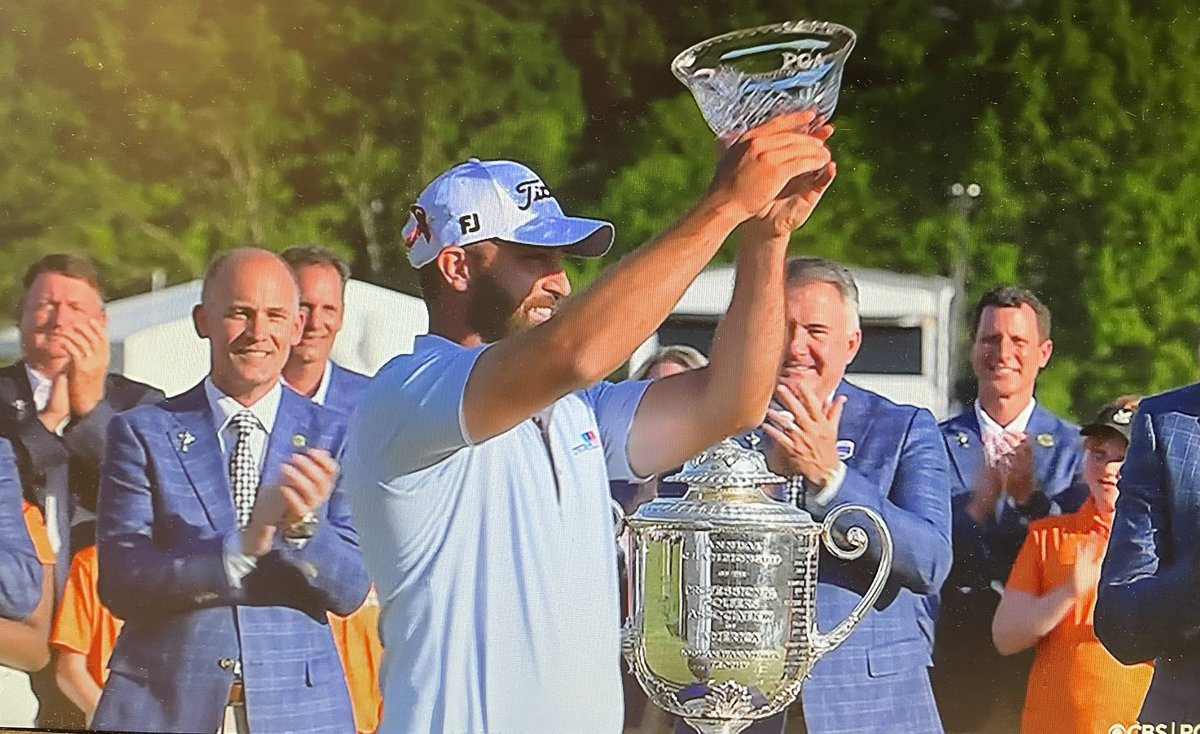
[1149, 598]
[896, 466]
[967, 662]
[165, 509]
[986, 553]
[20, 569]
[345, 389]
[72, 460]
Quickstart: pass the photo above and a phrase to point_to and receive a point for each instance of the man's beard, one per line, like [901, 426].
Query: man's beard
[491, 312]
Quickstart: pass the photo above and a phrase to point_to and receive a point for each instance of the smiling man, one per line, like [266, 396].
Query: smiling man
[839, 444]
[478, 466]
[322, 278]
[223, 537]
[1014, 462]
[55, 404]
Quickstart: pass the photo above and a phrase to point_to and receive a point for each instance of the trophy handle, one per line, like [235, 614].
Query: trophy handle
[620, 520]
[856, 538]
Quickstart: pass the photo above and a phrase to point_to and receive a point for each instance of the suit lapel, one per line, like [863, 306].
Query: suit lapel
[1044, 441]
[856, 419]
[333, 392]
[965, 445]
[194, 439]
[287, 435]
[15, 391]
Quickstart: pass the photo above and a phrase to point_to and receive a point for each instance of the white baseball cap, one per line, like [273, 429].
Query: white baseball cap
[496, 200]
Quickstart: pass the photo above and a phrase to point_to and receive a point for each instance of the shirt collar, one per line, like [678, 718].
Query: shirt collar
[40, 385]
[989, 427]
[322, 386]
[224, 407]
[1093, 520]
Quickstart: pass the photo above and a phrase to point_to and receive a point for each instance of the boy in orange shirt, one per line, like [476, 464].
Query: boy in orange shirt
[1075, 686]
[357, 641]
[84, 633]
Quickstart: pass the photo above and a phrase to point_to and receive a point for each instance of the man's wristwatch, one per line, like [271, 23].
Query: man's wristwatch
[302, 529]
[1035, 507]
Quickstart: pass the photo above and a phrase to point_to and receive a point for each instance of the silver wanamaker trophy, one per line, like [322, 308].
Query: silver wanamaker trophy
[744, 78]
[722, 624]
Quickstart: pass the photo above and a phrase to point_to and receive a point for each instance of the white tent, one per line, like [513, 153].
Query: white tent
[153, 340]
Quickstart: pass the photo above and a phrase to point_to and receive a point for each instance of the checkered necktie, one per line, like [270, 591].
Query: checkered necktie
[243, 469]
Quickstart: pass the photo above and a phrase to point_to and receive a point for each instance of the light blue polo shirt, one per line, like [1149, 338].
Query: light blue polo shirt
[495, 562]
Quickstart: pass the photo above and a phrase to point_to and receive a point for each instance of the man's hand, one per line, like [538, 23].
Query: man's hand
[1018, 472]
[986, 493]
[803, 435]
[306, 483]
[87, 345]
[58, 408]
[788, 211]
[759, 165]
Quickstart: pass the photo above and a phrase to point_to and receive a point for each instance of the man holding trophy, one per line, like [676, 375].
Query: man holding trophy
[479, 466]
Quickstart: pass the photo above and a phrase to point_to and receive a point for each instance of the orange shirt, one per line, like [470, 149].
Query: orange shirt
[84, 625]
[37, 531]
[357, 640]
[1075, 686]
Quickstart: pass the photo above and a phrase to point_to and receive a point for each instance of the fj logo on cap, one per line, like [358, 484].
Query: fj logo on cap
[533, 190]
[469, 223]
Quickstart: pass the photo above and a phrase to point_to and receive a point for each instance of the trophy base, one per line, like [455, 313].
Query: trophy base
[708, 726]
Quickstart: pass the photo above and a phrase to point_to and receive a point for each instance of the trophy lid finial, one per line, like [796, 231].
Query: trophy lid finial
[727, 464]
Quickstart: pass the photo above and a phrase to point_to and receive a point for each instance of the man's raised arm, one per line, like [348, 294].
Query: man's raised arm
[594, 333]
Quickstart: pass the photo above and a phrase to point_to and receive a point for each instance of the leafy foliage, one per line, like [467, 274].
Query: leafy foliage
[153, 135]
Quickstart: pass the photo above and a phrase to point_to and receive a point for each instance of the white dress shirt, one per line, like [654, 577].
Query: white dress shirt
[996, 448]
[322, 387]
[238, 564]
[57, 499]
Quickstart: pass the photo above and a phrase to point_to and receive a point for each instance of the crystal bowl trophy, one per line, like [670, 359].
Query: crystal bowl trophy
[744, 78]
[722, 624]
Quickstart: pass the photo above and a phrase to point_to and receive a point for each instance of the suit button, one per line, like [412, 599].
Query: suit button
[226, 663]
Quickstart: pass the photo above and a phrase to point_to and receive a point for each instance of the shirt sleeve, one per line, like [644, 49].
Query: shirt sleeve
[614, 405]
[76, 614]
[1026, 574]
[37, 531]
[412, 415]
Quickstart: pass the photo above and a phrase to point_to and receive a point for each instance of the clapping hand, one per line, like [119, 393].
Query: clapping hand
[306, 482]
[803, 435]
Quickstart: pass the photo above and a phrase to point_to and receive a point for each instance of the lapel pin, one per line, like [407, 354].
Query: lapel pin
[845, 449]
[19, 404]
[1045, 440]
[299, 441]
[186, 439]
[963, 439]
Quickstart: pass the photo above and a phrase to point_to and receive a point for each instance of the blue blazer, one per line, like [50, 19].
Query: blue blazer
[1149, 596]
[165, 511]
[345, 388]
[877, 680]
[986, 553]
[20, 569]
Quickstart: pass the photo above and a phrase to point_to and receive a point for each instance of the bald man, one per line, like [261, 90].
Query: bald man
[224, 540]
